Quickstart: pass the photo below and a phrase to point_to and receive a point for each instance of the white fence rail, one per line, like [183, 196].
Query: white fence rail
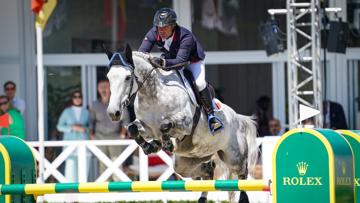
[82, 149]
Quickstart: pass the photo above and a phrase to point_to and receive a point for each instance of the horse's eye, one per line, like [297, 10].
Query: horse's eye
[128, 78]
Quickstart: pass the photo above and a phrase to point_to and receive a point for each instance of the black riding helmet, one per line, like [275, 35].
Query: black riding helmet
[164, 17]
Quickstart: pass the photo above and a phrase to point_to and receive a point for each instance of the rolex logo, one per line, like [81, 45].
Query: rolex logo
[302, 167]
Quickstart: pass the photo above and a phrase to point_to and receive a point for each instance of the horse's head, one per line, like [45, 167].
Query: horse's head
[122, 82]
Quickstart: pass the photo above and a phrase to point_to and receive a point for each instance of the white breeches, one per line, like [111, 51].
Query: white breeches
[198, 71]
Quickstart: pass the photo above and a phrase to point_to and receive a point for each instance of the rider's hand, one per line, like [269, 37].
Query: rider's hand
[157, 62]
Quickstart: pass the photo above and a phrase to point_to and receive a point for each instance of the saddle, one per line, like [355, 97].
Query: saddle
[189, 77]
[189, 85]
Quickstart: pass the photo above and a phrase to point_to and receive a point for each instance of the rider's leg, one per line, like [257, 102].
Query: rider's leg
[198, 71]
[206, 100]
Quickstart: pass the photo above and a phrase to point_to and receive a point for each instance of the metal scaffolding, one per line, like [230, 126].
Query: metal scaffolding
[303, 62]
[304, 68]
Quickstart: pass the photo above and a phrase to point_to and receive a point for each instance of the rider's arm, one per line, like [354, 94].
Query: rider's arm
[148, 42]
[184, 51]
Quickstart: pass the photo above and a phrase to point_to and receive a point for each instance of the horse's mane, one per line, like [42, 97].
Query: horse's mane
[142, 55]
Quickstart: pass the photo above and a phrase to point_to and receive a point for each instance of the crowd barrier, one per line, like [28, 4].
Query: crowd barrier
[309, 165]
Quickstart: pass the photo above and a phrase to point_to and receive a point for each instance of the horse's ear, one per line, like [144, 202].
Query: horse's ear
[108, 53]
[128, 54]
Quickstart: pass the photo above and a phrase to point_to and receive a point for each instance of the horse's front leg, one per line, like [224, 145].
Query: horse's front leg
[135, 130]
[165, 128]
[172, 126]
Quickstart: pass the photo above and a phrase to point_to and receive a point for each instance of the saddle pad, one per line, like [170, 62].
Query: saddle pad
[185, 85]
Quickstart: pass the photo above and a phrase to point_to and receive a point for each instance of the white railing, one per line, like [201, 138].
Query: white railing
[82, 149]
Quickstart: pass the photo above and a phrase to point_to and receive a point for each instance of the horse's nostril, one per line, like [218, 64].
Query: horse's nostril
[117, 114]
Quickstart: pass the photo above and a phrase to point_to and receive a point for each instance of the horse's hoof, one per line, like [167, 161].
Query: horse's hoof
[147, 150]
[243, 197]
[202, 200]
[133, 130]
[168, 146]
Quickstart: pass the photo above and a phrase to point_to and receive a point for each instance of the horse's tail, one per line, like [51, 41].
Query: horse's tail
[248, 126]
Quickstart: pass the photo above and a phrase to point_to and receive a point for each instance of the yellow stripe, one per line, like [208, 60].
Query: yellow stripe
[328, 148]
[204, 185]
[146, 186]
[252, 185]
[6, 157]
[350, 133]
[94, 187]
[39, 189]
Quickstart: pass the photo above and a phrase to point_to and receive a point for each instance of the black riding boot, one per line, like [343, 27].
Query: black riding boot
[205, 98]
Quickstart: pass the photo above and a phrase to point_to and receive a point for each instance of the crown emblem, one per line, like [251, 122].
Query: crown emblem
[343, 167]
[302, 167]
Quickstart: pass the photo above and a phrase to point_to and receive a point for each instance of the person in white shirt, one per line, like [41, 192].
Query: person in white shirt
[10, 91]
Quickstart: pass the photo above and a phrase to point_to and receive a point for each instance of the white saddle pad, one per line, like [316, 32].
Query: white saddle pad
[185, 85]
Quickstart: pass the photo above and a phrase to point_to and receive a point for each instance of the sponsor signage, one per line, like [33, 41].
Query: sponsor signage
[313, 166]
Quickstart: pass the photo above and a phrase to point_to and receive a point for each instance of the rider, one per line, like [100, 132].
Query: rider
[179, 45]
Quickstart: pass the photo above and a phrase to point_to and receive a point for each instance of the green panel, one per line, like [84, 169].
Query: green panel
[2, 176]
[173, 185]
[301, 170]
[227, 185]
[67, 187]
[356, 149]
[344, 168]
[120, 186]
[22, 165]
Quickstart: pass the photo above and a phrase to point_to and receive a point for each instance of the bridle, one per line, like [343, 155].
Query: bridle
[140, 84]
[120, 61]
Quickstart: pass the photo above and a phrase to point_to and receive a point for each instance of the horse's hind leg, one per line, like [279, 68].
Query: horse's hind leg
[236, 160]
[207, 173]
[243, 196]
[196, 168]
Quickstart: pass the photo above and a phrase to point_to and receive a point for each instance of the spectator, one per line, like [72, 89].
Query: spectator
[275, 127]
[263, 115]
[102, 128]
[308, 123]
[334, 116]
[10, 91]
[74, 123]
[15, 119]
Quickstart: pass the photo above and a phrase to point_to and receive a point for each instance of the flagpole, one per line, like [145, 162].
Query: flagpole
[40, 89]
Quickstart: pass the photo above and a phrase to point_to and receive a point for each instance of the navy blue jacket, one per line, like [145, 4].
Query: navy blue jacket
[184, 46]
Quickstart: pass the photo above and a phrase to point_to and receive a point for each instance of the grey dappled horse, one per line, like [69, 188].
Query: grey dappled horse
[164, 119]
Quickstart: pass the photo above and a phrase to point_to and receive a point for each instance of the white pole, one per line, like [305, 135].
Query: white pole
[40, 88]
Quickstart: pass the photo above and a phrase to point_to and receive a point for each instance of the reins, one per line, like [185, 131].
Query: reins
[141, 84]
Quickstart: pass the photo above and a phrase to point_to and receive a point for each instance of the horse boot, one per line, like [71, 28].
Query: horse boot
[214, 122]
[148, 148]
[166, 141]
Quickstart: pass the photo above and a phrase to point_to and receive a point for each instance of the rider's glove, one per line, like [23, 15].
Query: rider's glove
[157, 62]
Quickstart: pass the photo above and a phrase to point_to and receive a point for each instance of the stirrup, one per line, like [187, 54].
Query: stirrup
[216, 128]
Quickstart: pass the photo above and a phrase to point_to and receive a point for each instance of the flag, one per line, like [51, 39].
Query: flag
[36, 5]
[4, 120]
[121, 18]
[43, 10]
